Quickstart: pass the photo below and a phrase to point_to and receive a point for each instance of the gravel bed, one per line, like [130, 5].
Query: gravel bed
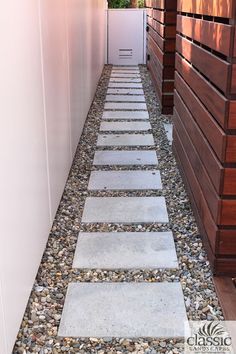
[38, 333]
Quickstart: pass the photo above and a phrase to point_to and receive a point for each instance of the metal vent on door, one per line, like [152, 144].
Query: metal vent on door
[125, 54]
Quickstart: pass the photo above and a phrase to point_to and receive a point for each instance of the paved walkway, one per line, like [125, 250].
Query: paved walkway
[126, 310]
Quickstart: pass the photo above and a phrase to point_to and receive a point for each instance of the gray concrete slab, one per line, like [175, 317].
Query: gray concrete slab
[127, 72]
[125, 126]
[123, 310]
[124, 85]
[128, 91]
[136, 115]
[125, 180]
[123, 79]
[125, 67]
[125, 140]
[125, 75]
[125, 250]
[126, 210]
[124, 98]
[124, 158]
[125, 106]
[169, 132]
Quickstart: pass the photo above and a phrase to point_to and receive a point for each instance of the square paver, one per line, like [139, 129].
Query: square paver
[124, 79]
[125, 98]
[136, 115]
[125, 106]
[124, 158]
[124, 85]
[126, 210]
[169, 131]
[125, 126]
[125, 180]
[125, 250]
[128, 91]
[123, 310]
[125, 140]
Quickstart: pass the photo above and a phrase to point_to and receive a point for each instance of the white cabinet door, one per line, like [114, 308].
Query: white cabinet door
[126, 37]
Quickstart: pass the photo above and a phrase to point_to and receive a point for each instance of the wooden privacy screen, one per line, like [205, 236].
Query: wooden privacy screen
[161, 28]
[205, 121]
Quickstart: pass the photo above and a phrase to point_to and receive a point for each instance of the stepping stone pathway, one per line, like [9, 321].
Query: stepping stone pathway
[125, 140]
[125, 98]
[125, 180]
[136, 115]
[123, 158]
[125, 85]
[128, 91]
[124, 310]
[125, 250]
[125, 126]
[125, 106]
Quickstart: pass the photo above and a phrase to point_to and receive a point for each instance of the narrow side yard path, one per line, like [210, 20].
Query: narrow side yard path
[124, 266]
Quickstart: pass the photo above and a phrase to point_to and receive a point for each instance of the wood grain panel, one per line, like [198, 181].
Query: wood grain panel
[163, 30]
[211, 163]
[162, 4]
[214, 68]
[212, 131]
[228, 213]
[216, 8]
[167, 59]
[227, 242]
[231, 149]
[198, 198]
[232, 115]
[215, 102]
[214, 35]
[199, 170]
[229, 181]
[233, 79]
[165, 17]
[166, 45]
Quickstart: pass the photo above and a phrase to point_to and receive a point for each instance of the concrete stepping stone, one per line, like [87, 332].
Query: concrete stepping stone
[124, 85]
[124, 158]
[125, 79]
[126, 210]
[129, 67]
[136, 115]
[125, 91]
[125, 106]
[169, 131]
[125, 180]
[125, 126]
[125, 140]
[124, 98]
[123, 310]
[126, 75]
[127, 72]
[125, 250]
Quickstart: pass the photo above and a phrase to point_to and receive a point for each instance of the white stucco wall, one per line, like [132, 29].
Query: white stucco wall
[52, 56]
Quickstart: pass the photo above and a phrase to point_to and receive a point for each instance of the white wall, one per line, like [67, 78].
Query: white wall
[52, 55]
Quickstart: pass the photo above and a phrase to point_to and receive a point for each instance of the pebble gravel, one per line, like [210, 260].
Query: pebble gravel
[38, 332]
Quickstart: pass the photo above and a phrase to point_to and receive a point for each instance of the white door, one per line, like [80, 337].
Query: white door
[126, 36]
